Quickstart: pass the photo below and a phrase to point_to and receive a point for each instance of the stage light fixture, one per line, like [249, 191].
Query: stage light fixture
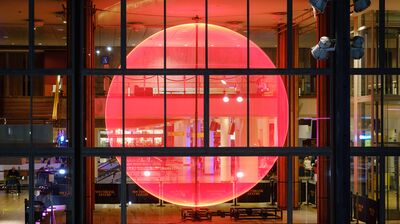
[322, 49]
[357, 49]
[225, 98]
[319, 5]
[361, 5]
[239, 99]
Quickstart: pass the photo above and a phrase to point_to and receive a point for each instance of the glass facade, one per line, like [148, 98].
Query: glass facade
[165, 111]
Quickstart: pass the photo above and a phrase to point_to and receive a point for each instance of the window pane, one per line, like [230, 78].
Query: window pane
[51, 34]
[228, 113]
[102, 189]
[14, 34]
[144, 35]
[391, 109]
[265, 18]
[144, 111]
[53, 188]
[305, 33]
[104, 48]
[220, 186]
[103, 111]
[15, 112]
[392, 34]
[311, 189]
[365, 112]
[364, 181]
[366, 25]
[185, 109]
[50, 111]
[392, 200]
[14, 198]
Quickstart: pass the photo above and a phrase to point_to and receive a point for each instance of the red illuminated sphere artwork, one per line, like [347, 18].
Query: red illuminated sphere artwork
[197, 181]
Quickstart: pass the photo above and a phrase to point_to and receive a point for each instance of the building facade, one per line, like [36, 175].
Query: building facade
[162, 111]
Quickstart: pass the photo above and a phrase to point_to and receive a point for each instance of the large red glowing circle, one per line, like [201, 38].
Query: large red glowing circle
[197, 181]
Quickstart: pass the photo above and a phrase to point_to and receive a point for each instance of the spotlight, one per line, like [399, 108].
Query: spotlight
[97, 52]
[357, 50]
[109, 48]
[239, 174]
[322, 49]
[361, 5]
[239, 99]
[225, 98]
[146, 173]
[319, 5]
[62, 171]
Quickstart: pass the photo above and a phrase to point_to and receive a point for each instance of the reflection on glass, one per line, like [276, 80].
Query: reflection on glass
[53, 189]
[14, 195]
[364, 180]
[15, 110]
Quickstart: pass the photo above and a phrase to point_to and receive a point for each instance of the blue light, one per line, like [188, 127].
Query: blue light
[365, 137]
[62, 171]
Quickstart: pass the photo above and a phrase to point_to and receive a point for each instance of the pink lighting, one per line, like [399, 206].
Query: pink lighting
[197, 181]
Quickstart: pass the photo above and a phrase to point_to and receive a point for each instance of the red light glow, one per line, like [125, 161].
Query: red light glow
[198, 181]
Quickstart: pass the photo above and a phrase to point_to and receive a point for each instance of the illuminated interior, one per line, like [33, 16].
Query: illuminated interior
[197, 181]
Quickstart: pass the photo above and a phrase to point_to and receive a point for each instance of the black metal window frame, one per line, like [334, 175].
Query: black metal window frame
[339, 151]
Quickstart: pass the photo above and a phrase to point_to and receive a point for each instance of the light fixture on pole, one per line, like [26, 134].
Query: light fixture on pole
[322, 49]
[361, 5]
[357, 50]
[318, 5]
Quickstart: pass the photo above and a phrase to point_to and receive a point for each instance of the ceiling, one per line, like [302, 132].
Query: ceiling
[145, 17]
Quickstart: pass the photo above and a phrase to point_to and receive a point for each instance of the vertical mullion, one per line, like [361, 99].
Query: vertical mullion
[123, 190]
[382, 189]
[206, 87]
[165, 70]
[289, 57]
[79, 105]
[382, 160]
[31, 15]
[31, 188]
[123, 66]
[289, 190]
[248, 74]
[341, 84]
